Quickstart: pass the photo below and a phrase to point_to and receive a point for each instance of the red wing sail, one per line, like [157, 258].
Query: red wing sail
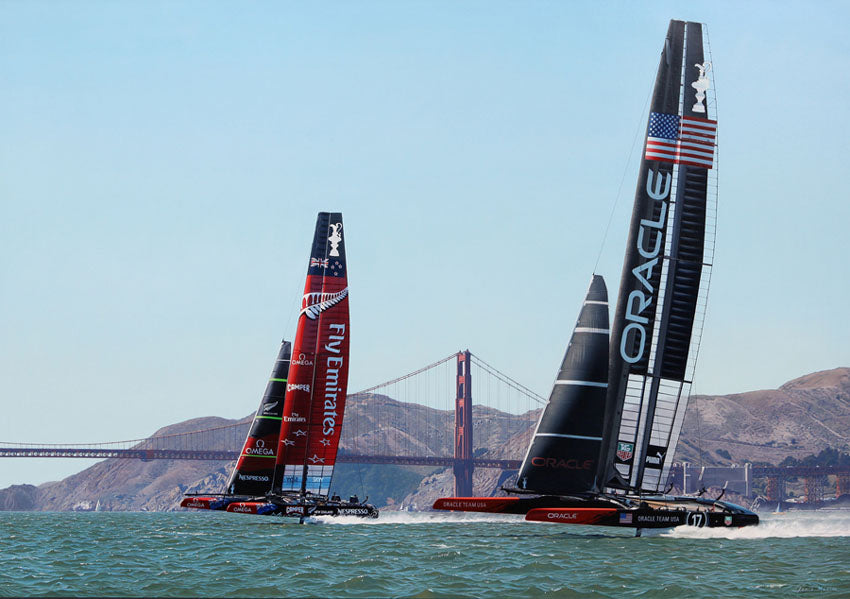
[318, 374]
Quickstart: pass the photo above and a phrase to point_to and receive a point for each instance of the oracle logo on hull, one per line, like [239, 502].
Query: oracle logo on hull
[640, 299]
[570, 464]
[562, 515]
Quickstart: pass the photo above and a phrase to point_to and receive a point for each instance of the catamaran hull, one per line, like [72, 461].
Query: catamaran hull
[510, 505]
[650, 518]
[303, 511]
[664, 513]
[293, 509]
[206, 503]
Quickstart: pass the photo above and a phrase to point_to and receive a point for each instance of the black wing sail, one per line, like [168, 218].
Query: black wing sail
[562, 456]
[663, 289]
[254, 471]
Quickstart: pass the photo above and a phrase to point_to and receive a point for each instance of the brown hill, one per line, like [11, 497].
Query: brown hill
[800, 418]
[19, 498]
[157, 485]
[118, 484]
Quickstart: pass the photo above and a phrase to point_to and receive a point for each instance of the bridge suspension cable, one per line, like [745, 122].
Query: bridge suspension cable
[409, 417]
[508, 380]
[406, 376]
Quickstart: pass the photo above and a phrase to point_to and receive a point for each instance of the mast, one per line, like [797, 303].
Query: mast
[665, 273]
[562, 456]
[318, 378]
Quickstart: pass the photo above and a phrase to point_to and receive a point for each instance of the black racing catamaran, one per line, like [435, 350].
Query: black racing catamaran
[287, 461]
[604, 444]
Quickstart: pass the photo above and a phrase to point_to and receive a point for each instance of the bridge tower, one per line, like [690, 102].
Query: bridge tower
[842, 485]
[463, 467]
[775, 490]
[814, 488]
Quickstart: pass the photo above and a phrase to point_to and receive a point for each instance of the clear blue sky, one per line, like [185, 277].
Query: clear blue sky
[162, 164]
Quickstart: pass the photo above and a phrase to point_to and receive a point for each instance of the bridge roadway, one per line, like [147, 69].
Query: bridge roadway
[194, 454]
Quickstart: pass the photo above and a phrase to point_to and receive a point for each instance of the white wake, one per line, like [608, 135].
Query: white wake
[785, 525]
[397, 517]
[823, 523]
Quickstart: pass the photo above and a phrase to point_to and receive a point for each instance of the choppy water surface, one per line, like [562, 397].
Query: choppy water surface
[420, 555]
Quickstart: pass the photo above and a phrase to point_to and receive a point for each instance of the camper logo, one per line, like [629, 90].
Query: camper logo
[625, 451]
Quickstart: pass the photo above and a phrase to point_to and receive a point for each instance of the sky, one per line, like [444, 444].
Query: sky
[162, 164]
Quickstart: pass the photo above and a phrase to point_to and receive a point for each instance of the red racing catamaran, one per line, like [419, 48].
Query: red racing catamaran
[287, 462]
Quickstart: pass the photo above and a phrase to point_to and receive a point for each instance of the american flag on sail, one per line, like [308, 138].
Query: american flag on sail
[681, 139]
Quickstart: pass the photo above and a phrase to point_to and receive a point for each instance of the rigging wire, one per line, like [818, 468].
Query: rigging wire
[622, 181]
[699, 435]
[714, 241]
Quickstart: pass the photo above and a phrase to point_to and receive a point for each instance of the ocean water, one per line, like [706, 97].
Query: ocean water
[804, 554]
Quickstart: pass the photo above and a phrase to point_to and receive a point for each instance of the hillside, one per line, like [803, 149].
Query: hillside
[802, 417]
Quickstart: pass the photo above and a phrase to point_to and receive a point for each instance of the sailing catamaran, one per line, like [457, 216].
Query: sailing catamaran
[287, 461]
[604, 444]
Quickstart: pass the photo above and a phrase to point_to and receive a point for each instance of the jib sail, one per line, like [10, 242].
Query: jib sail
[255, 468]
[318, 374]
[664, 285]
[562, 456]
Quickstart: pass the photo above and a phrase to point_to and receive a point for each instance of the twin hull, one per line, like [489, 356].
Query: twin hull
[294, 508]
[664, 512]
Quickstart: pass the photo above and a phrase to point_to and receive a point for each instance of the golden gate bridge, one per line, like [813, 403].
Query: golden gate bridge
[424, 418]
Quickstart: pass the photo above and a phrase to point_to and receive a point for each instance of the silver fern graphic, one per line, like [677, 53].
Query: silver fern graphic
[315, 303]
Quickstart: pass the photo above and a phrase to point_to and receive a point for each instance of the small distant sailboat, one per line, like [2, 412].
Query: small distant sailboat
[287, 461]
[604, 444]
